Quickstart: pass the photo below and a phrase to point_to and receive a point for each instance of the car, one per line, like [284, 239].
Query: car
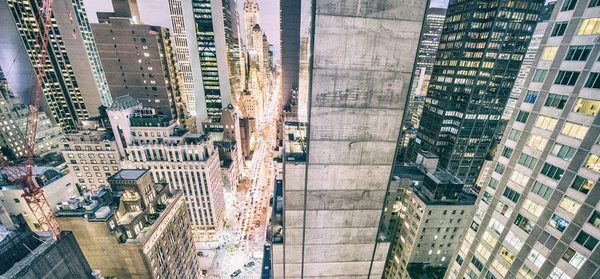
[249, 264]
[236, 273]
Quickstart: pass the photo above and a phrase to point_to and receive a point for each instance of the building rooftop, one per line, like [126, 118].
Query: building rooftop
[464, 198]
[129, 174]
[123, 102]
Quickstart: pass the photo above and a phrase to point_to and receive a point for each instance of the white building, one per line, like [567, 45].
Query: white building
[187, 162]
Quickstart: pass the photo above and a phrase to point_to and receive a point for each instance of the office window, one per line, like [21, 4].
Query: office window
[489, 239]
[566, 78]
[522, 116]
[533, 208]
[542, 190]
[549, 53]
[523, 223]
[595, 219]
[536, 142]
[573, 258]
[536, 258]
[511, 194]
[527, 160]
[556, 100]
[559, 28]
[568, 5]
[514, 240]
[519, 178]
[570, 205]
[582, 184]
[496, 226]
[539, 75]
[506, 255]
[500, 168]
[558, 273]
[493, 183]
[552, 171]
[586, 240]
[574, 130]
[507, 151]
[485, 253]
[587, 106]
[499, 267]
[594, 3]
[526, 272]
[559, 223]
[514, 134]
[593, 81]
[531, 96]
[563, 151]
[477, 263]
[589, 26]
[578, 53]
[546, 122]
[592, 162]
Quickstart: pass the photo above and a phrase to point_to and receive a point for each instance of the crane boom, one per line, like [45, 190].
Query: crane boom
[32, 193]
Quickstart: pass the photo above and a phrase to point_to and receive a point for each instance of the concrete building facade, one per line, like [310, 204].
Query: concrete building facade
[92, 156]
[333, 195]
[138, 229]
[74, 83]
[139, 61]
[538, 214]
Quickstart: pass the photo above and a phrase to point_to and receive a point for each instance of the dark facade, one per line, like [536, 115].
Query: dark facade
[480, 53]
[290, 47]
[52, 259]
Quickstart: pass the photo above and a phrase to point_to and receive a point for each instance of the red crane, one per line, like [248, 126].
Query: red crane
[23, 175]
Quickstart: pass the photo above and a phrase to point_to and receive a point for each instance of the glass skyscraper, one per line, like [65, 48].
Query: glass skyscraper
[480, 52]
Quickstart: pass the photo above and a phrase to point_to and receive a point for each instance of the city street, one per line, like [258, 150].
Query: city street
[243, 239]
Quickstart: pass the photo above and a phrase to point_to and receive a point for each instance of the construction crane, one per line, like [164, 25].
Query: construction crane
[23, 175]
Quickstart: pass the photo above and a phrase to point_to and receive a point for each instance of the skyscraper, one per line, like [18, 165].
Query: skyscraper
[251, 18]
[480, 53]
[139, 61]
[359, 61]
[289, 18]
[538, 213]
[430, 39]
[201, 26]
[74, 82]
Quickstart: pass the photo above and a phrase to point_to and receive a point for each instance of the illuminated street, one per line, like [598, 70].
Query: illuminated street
[243, 239]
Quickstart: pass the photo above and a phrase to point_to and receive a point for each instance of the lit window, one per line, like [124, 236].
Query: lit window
[499, 267]
[506, 255]
[514, 240]
[546, 122]
[587, 106]
[589, 26]
[595, 219]
[483, 252]
[533, 207]
[570, 205]
[527, 272]
[549, 53]
[574, 130]
[489, 239]
[536, 142]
